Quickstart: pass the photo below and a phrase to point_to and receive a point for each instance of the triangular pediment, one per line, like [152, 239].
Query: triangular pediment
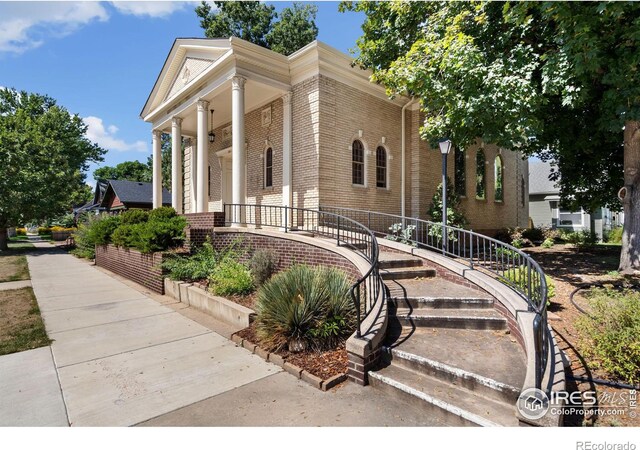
[190, 69]
[187, 61]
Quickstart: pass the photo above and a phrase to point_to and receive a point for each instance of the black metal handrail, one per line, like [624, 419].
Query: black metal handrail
[368, 289]
[511, 266]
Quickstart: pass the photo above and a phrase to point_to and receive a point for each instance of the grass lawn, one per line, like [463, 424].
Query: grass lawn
[21, 326]
[13, 267]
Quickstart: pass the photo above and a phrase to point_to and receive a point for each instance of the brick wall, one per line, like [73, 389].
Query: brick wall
[142, 268]
[289, 252]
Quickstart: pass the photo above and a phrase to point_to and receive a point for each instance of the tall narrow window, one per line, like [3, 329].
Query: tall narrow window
[522, 191]
[498, 177]
[357, 163]
[481, 187]
[209, 178]
[381, 167]
[268, 168]
[460, 172]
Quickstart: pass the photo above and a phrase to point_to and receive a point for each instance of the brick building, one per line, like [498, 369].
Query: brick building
[309, 130]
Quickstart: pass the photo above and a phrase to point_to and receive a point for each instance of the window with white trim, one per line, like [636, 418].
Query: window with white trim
[357, 163]
[381, 167]
[268, 168]
[498, 177]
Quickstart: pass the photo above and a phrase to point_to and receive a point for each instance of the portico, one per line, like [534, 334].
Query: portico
[203, 85]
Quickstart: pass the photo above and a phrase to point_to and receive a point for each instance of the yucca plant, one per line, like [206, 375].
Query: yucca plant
[304, 307]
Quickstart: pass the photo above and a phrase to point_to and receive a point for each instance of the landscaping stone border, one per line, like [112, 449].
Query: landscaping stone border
[218, 307]
[294, 370]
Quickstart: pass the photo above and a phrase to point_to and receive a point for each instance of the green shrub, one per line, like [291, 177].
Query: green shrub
[581, 239]
[126, 235]
[548, 243]
[263, 265]
[610, 334]
[194, 267]
[615, 235]
[229, 277]
[100, 230]
[506, 253]
[134, 216]
[518, 277]
[159, 234]
[305, 307]
[162, 214]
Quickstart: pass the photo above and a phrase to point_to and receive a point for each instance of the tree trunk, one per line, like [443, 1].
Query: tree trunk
[630, 255]
[3, 239]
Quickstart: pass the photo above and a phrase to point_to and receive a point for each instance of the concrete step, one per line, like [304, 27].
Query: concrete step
[456, 405]
[455, 375]
[492, 354]
[441, 302]
[390, 260]
[408, 273]
[475, 319]
[356, 245]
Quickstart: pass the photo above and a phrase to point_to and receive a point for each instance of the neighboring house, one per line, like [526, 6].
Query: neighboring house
[545, 205]
[94, 205]
[310, 130]
[121, 195]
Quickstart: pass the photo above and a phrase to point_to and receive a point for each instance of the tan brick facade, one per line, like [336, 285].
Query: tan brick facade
[327, 115]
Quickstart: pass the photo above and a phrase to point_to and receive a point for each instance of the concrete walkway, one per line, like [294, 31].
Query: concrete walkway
[10, 285]
[122, 356]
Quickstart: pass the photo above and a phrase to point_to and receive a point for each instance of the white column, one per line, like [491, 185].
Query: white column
[193, 164]
[287, 166]
[202, 199]
[238, 157]
[176, 164]
[157, 168]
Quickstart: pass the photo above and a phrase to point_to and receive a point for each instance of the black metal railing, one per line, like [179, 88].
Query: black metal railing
[346, 232]
[508, 264]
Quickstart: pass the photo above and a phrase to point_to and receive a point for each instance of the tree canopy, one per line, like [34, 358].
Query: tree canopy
[43, 155]
[127, 170]
[258, 22]
[558, 80]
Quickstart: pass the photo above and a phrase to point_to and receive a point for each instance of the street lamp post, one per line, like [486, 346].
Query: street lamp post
[445, 148]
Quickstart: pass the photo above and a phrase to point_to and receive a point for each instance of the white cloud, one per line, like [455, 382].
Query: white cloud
[25, 25]
[151, 8]
[105, 136]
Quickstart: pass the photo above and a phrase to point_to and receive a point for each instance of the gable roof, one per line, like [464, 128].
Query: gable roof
[136, 192]
[539, 182]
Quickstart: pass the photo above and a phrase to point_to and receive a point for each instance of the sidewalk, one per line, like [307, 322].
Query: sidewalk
[124, 356]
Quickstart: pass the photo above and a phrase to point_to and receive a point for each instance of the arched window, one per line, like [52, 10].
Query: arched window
[460, 172]
[481, 186]
[381, 167]
[357, 163]
[498, 177]
[268, 168]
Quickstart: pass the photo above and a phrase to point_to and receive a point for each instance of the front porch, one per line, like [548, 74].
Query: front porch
[203, 97]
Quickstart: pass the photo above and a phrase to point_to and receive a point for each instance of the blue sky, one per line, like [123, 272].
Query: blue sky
[100, 59]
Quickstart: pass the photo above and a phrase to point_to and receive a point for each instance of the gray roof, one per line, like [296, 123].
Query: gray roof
[539, 182]
[137, 192]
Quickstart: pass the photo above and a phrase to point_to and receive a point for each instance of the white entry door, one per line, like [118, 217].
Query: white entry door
[226, 181]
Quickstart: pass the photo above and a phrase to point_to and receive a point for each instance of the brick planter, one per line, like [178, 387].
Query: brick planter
[60, 235]
[142, 268]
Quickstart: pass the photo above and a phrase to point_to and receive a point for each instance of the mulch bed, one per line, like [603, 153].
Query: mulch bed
[570, 269]
[324, 364]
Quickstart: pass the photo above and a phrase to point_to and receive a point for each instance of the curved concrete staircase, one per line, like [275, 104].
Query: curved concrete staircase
[447, 351]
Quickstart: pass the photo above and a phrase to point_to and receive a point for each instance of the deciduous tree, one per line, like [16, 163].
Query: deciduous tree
[559, 80]
[257, 22]
[43, 155]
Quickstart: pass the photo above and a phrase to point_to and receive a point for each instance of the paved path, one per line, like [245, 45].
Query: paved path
[10, 285]
[122, 356]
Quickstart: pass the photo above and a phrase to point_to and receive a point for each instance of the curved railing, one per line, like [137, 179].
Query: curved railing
[367, 290]
[508, 264]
